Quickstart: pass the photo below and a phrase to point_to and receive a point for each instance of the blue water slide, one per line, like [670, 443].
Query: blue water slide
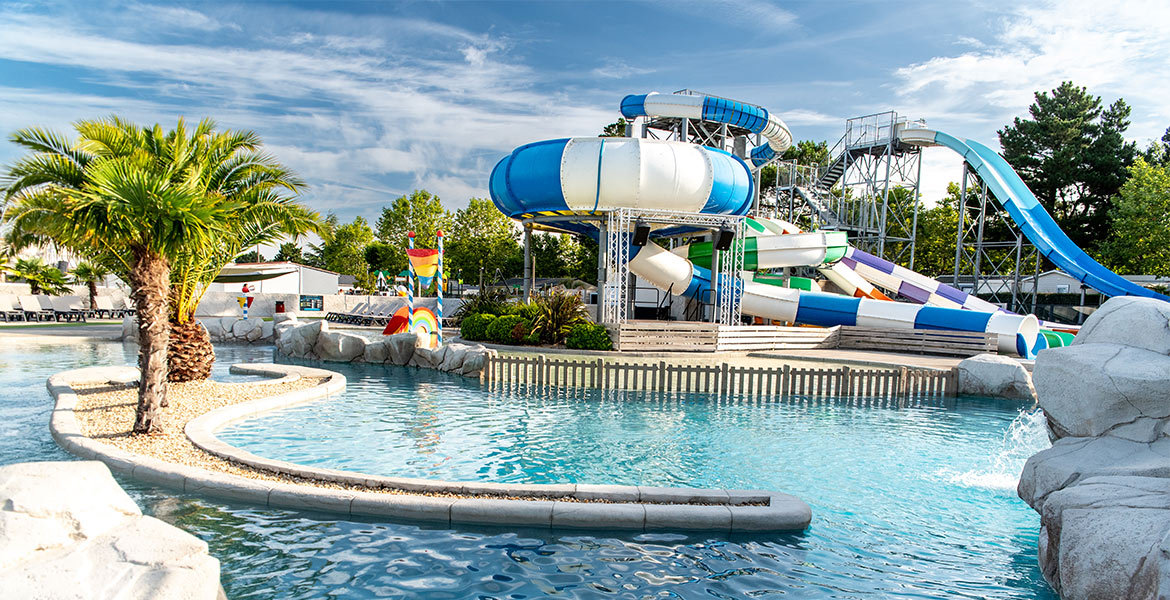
[751, 117]
[1035, 222]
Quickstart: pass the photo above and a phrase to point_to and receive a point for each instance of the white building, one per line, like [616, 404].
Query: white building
[276, 278]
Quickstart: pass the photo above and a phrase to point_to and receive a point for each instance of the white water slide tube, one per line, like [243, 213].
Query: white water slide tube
[595, 175]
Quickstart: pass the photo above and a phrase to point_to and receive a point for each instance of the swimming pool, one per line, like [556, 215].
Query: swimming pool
[908, 502]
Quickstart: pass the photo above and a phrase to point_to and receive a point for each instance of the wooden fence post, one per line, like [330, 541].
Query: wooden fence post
[904, 382]
[599, 379]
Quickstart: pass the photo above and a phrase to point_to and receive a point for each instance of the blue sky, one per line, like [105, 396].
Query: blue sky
[370, 100]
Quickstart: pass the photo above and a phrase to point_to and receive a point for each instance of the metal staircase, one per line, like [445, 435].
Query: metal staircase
[851, 192]
[817, 201]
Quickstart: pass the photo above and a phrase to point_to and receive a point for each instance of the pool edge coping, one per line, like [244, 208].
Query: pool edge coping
[638, 508]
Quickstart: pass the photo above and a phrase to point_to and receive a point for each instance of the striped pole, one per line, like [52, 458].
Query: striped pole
[409, 285]
[439, 291]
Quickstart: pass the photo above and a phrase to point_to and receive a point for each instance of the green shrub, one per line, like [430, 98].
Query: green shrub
[522, 333]
[589, 336]
[474, 327]
[508, 329]
[525, 310]
[489, 301]
[556, 315]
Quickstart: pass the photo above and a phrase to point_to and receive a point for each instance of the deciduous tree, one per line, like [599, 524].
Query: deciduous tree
[481, 241]
[420, 212]
[1140, 244]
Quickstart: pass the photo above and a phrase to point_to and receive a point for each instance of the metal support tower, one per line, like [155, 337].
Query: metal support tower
[869, 189]
[993, 268]
[619, 231]
[696, 131]
[880, 186]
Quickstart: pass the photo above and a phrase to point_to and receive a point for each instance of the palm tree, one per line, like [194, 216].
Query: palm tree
[40, 277]
[231, 167]
[158, 209]
[90, 274]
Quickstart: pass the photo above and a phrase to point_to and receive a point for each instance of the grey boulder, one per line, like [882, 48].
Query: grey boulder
[996, 376]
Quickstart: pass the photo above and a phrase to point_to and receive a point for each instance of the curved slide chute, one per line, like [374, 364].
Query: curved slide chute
[583, 176]
[1030, 216]
[755, 119]
[596, 175]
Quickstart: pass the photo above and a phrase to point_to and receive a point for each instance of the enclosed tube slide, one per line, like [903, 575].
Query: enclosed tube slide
[592, 175]
[582, 176]
[1029, 215]
[755, 119]
[912, 285]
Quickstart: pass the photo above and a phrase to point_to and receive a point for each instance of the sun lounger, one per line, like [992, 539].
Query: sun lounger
[66, 307]
[128, 307]
[9, 310]
[356, 315]
[341, 316]
[33, 310]
[379, 315]
[104, 308]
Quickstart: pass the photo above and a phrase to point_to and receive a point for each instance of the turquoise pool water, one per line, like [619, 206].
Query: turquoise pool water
[908, 502]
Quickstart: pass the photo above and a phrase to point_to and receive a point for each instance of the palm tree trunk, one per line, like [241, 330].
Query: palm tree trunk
[190, 354]
[92, 294]
[150, 277]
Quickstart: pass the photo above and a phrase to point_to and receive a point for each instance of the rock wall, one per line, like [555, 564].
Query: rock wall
[1103, 489]
[67, 530]
[238, 330]
[315, 341]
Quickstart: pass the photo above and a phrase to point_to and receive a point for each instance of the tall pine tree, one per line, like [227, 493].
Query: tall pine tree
[1073, 156]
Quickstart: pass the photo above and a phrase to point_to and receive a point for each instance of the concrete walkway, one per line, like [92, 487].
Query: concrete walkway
[110, 330]
[94, 330]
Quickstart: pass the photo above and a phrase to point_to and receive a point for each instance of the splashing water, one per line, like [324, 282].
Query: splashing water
[1026, 436]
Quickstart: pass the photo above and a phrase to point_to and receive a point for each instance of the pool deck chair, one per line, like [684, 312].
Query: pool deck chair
[104, 308]
[8, 309]
[68, 308]
[128, 307]
[380, 315]
[358, 314]
[33, 310]
[343, 316]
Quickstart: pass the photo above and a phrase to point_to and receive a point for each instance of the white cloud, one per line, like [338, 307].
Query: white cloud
[356, 120]
[802, 116]
[614, 68]
[178, 17]
[1114, 49]
[939, 168]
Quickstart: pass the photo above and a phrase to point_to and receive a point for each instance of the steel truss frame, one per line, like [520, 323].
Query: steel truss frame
[726, 268]
[981, 262]
[876, 163]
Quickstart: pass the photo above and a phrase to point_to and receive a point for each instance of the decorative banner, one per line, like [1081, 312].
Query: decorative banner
[425, 263]
[245, 302]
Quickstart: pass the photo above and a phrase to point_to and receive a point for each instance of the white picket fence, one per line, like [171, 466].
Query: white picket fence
[720, 379]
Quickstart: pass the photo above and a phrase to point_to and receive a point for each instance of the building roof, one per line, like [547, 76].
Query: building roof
[284, 264]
